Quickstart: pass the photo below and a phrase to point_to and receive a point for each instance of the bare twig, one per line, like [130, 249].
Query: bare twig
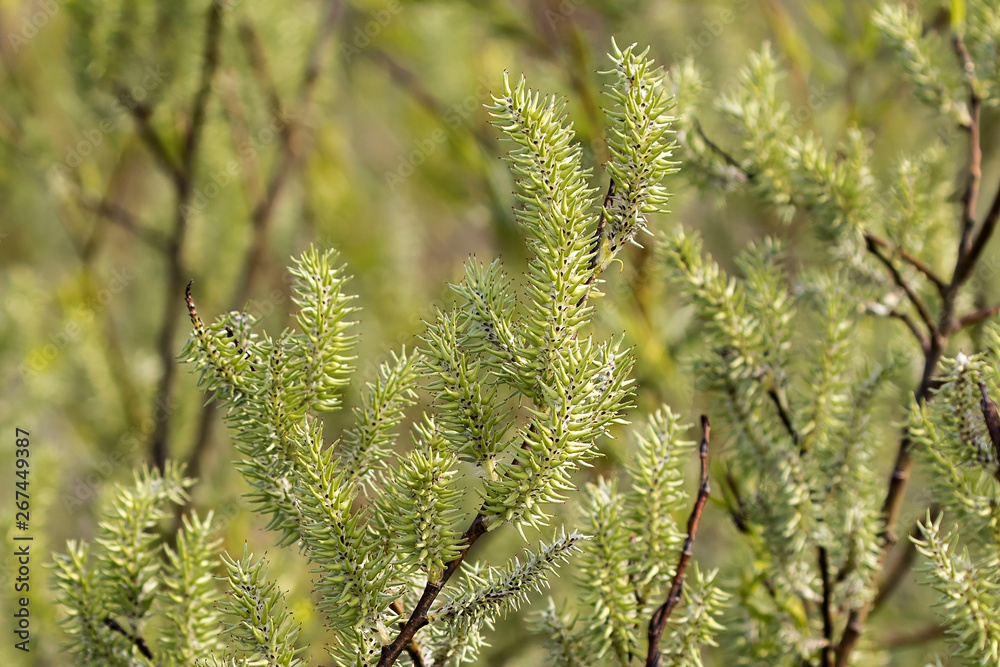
[976, 317]
[142, 115]
[916, 263]
[897, 278]
[718, 150]
[970, 196]
[969, 250]
[412, 648]
[137, 640]
[928, 633]
[786, 419]
[112, 212]
[912, 326]
[894, 576]
[184, 182]
[658, 622]
[826, 654]
[989, 409]
[263, 202]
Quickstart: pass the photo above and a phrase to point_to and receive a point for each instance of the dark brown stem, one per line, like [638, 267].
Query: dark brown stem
[418, 619]
[175, 269]
[989, 410]
[137, 640]
[897, 278]
[891, 579]
[142, 114]
[969, 249]
[912, 326]
[112, 212]
[827, 652]
[976, 317]
[928, 633]
[658, 622]
[920, 266]
[412, 648]
[970, 197]
[718, 150]
[786, 419]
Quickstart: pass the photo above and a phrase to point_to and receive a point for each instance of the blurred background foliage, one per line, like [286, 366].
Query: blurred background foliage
[358, 125]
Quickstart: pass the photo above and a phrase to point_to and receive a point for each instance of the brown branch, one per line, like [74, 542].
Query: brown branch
[418, 619]
[718, 150]
[897, 278]
[970, 197]
[175, 270]
[915, 262]
[826, 654]
[980, 241]
[412, 648]
[786, 420]
[658, 622]
[989, 409]
[114, 213]
[912, 326]
[894, 577]
[142, 114]
[928, 633]
[976, 317]
[969, 250]
[137, 640]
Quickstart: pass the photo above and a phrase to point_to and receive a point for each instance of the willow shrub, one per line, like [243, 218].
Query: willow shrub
[509, 389]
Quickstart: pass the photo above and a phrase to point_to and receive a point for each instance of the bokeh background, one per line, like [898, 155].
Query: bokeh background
[358, 125]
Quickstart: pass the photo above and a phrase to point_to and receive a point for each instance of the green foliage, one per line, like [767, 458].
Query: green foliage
[136, 583]
[262, 626]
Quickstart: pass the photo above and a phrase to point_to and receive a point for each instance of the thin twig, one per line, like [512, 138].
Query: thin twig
[976, 317]
[894, 577]
[970, 196]
[142, 115]
[912, 326]
[137, 640]
[826, 654]
[897, 278]
[263, 203]
[928, 633]
[916, 263]
[658, 622]
[112, 212]
[412, 648]
[175, 269]
[786, 419]
[969, 249]
[718, 150]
